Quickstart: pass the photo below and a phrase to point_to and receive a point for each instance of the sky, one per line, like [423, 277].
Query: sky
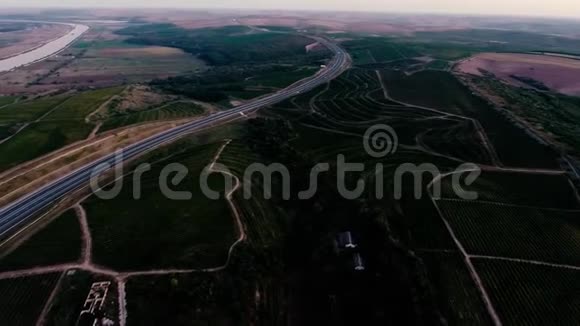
[569, 8]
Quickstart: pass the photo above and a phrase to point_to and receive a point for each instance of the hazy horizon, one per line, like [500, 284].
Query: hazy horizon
[555, 8]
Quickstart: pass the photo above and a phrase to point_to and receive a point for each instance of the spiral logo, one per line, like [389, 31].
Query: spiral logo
[380, 141]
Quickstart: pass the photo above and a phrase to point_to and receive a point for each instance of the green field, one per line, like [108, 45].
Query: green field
[525, 294]
[281, 79]
[225, 298]
[8, 130]
[40, 138]
[221, 46]
[535, 190]
[245, 81]
[362, 57]
[24, 298]
[194, 233]
[261, 219]
[456, 292]
[149, 297]
[454, 45]
[78, 107]
[59, 242]
[30, 110]
[173, 111]
[53, 122]
[5, 100]
[98, 45]
[371, 50]
[384, 50]
[439, 65]
[515, 232]
[554, 114]
[329, 121]
[441, 90]
[497, 40]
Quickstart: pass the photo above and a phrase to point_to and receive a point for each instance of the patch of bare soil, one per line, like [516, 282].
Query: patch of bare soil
[557, 73]
[134, 98]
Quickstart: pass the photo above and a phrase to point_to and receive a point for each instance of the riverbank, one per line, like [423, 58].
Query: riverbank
[45, 51]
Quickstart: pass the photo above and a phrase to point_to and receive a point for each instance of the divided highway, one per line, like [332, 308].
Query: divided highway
[17, 214]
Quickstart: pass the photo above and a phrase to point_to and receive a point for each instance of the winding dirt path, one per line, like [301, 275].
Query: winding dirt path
[122, 301]
[86, 253]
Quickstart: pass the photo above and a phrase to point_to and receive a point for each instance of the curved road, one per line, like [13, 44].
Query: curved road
[23, 210]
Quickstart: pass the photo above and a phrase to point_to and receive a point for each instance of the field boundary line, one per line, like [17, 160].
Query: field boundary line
[372, 56]
[526, 261]
[24, 126]
[383, 87]
[487, 202]
[28, 123]
[56, 107]
[8, 104]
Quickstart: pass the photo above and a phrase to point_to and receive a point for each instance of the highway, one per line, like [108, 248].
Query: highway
[19, 213]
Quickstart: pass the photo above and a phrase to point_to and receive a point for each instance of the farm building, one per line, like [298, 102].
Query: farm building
[358, 262]
[345, 240]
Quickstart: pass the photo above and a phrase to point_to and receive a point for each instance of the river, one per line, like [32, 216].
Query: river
[44, 51]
